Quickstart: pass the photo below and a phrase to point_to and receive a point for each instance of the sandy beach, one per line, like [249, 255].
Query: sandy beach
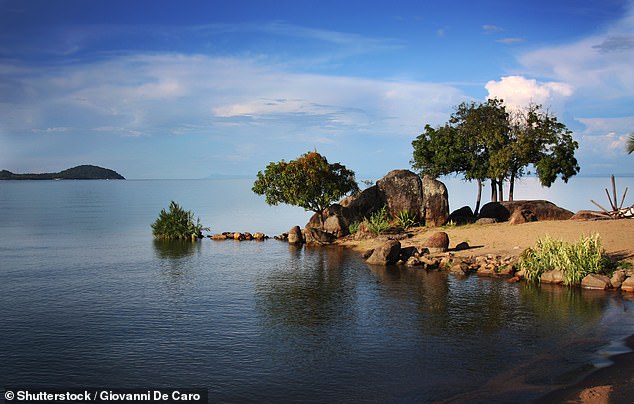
[617, 236]
[613, 384]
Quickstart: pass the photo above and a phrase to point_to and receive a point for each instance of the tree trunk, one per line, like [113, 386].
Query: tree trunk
[494, 190]
[511, 187]
[501, 191]
[477, 206]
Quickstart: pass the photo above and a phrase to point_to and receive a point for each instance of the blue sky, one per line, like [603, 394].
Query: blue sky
[189, 89]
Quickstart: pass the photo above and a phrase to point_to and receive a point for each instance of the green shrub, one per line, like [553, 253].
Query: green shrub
[352, 229]
[177, 224]
[406, 219]
[378, 221]
[575, 260]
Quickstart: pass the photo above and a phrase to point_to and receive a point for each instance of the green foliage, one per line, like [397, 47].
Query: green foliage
[177, 224]
[630, 144]
[309, 182]
[575, 260]
[483, 141]
[378, 222]
[406, 219]
[354, 227]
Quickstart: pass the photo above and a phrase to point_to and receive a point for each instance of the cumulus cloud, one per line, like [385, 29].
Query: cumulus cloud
[518, 91]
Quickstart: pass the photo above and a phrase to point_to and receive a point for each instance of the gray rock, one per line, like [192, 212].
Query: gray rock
[596, 281]
[386, 254]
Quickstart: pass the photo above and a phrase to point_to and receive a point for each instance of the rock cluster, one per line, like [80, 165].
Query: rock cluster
[424, 257]
[425, 199]
[514, 212]
[230, 235]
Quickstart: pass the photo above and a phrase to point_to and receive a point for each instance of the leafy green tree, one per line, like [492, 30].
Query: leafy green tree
[177, 224]
[464, 144]
[537, 138]
[309, 182]
[483, 141]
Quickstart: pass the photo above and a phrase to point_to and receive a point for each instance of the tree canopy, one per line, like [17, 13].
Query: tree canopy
[309, 182]
[484, 141]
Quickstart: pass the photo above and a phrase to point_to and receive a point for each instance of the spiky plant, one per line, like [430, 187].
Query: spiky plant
[575, 260]
[378, 221]
[406, 219]
[177, 224]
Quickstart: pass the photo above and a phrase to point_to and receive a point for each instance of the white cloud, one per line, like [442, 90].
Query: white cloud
[599, 66]
[222, 102]
[518, 92]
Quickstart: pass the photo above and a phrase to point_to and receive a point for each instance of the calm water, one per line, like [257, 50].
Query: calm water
[87, 298]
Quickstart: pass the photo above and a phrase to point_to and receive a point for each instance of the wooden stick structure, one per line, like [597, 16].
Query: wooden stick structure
[617, 212]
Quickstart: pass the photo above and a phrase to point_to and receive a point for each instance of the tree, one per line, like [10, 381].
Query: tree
[484, 141]
[630, 144]
[464, 144]
[177, 224]
[309, 182]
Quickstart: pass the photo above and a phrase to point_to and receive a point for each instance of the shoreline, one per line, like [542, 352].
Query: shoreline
[610, 384]
[504, 239]
[613, 383]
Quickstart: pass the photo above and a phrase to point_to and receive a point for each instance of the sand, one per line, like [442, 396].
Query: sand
[613, 384]
[505, 239]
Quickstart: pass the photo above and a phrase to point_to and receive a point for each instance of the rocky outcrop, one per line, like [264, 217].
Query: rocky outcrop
[537, 210]
[435, 202]
[400, 190]
[403, 191]
[295, 236]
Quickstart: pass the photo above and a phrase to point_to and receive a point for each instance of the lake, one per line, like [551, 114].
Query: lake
[88, 298]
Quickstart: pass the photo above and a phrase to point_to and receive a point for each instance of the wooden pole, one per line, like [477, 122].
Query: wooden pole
[610, 199]
[623, 199]
[600, 207]
[614, 191]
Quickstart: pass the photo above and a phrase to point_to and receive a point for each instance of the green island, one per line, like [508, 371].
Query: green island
[82, 172]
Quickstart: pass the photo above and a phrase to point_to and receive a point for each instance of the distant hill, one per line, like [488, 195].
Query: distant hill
[84, 172]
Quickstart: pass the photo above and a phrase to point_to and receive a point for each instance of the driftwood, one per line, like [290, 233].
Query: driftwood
[618, 211]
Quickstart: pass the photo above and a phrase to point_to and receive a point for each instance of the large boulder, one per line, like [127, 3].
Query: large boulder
[386, 254]
[403, 191]
[436, 202]
[539, 210]
[461, 216]
[399, 190]
[437, 242]
[295, 236]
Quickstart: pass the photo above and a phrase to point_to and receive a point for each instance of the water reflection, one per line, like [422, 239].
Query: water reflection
[306, 293]
[175, 248]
